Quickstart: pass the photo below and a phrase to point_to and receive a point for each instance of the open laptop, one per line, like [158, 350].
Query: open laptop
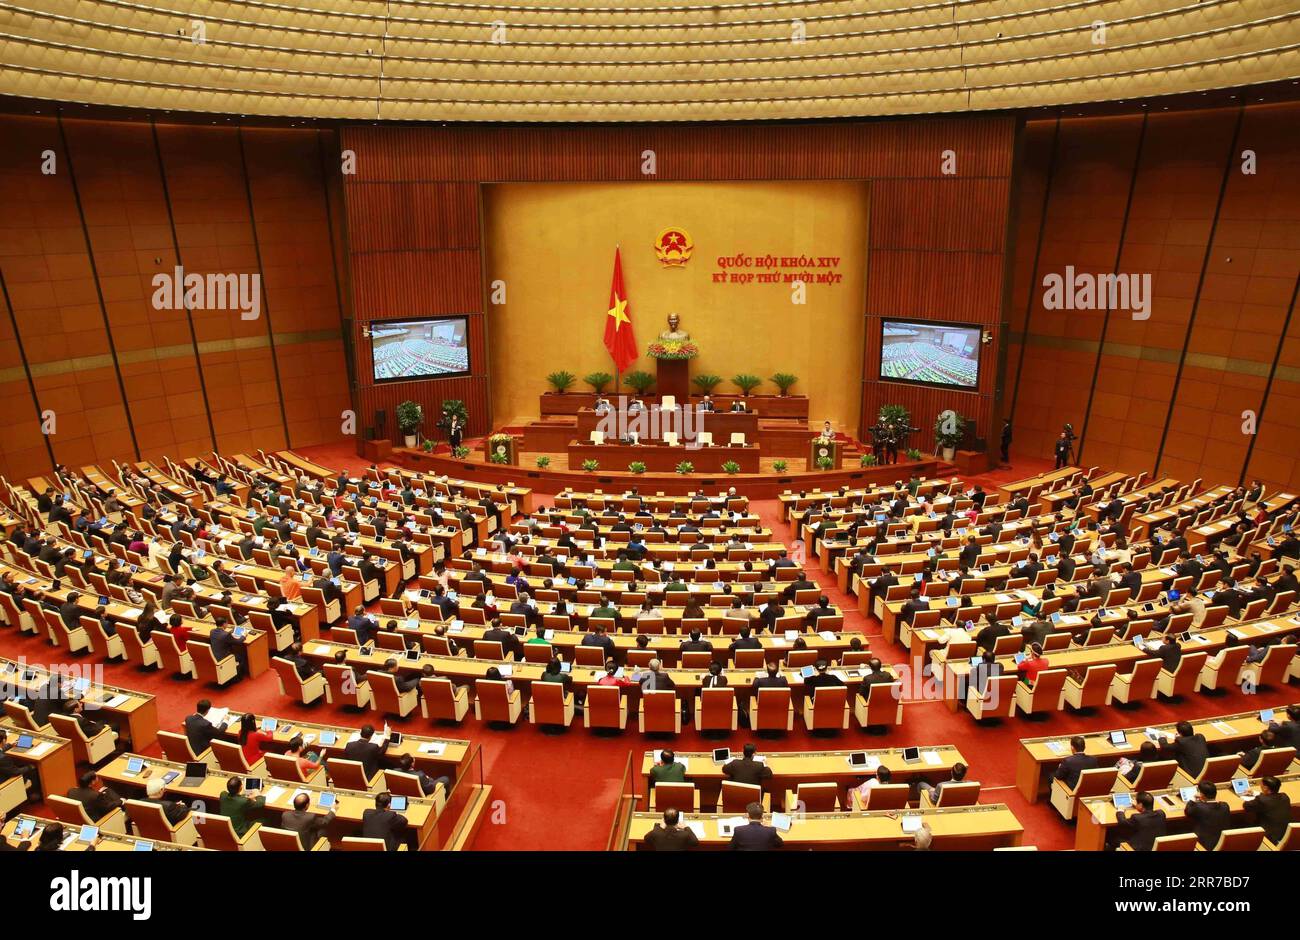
[195, 773]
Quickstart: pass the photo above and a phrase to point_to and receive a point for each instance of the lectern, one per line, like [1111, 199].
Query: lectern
[674, 378]
[819, 450]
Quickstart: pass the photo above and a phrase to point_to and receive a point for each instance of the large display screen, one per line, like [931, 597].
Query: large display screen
[419, 349]
[930, 352]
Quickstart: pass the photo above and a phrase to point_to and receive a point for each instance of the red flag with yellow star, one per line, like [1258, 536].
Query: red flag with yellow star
[619, 339]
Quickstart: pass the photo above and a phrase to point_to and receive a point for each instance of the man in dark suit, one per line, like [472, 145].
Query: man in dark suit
[1144, 826]
[1078, 761]
[880, 587]
[821, 678]
[988, 668]
[696, 644]
[98, 801]
[970, 553]
[669, 836]
[1209, 817]
[1169, 654]
[173, 810]
[1288, 732]
[309, 826]
[1188, 748]
[915, 602]
[598, 637]
[363, 625]
[223, 644]
[510, 644]
[986, 639]
[382, 823]
[366, 752]
[198, 730]
[1250, 757]
[70, 611]
[747, 769]
[754, 836]
[744, 642]
[1271, 809]
[1130, 579]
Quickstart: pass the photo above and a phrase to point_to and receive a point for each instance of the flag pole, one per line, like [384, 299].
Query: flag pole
[618, 373]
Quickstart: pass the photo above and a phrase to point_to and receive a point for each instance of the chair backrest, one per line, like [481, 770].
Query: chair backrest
[66, 726]
[589, 655]
[773, 709]
[604, 703]
[1095, 782]
[1045, 693]
[1246, 839]
[1142, 680]
[148, 820]
[680, 796]
[829, 704]
[882, 703]
[1188, 673]
[216, 832]
[280, 840]
[1096, 684]
[1155, 775]
[343, 687]
[1230, 661]
[359, 844]
[1272, 761]
[287, 673]
[494, 699]
[1183, 842]
[230, 756]
[887, 796]
[750, 659]
[68, 811]
[659, 711]
[349, 774]
[176, 747]
[817, 797]
[1290, 841]
[402, 783]
[283, 767]
[1219, 768]
[20, 715]
[550, 702]
[966, 793]
[717, 706]
[736, 797]
[538, 653]
[1276, 663]
[489, 649]
[383, 686]
[440, 696]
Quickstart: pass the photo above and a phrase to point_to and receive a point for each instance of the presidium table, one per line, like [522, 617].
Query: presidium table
[721, 424]
[663, 458]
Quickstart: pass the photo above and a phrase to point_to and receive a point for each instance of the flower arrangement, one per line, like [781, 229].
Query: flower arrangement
[590, 464]
[824, 463]
[636, 466]
[913, 454]
[672, 349]
[427, 446]
[543, 462]
[498, 458]
[461, 452]
[779, 466]
[685, 467]
[731, 467]
[498, 438]
[868, 460]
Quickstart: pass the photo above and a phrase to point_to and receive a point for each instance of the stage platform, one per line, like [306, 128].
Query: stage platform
[767, 483]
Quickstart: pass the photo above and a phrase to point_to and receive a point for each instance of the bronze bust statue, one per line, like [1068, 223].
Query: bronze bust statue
[673, 332]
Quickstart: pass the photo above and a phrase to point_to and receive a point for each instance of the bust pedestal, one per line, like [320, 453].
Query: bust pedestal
[674, 378]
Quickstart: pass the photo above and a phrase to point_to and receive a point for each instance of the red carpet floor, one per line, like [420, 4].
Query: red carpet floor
[558, 792]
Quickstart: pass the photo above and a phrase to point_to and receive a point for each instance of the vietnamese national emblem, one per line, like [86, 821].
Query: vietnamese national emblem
[673, 247]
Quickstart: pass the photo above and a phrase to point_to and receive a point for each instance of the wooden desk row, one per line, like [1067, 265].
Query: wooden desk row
[968, 828]
[133, 714]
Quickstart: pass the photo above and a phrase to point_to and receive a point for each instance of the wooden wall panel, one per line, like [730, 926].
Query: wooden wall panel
[1171, 391]
[138, 200]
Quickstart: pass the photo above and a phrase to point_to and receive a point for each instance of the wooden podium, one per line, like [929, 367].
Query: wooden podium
[674, 378]
[818, 449]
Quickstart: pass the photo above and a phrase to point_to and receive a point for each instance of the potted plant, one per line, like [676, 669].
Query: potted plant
[731, 467]
[453, 406]
[949, 431]
[913, 454]
[427, 446]
[543, 462]
[461, 452]
[598, 381]
[636, 466]
[824, 463]
[746, 383]
[868, 460]
[560, 381]
[639, 381]
[896, 415]
[410, 415]
[706, 383]
[783, 381]
[779, 466]
[590, 465]
[685, 467]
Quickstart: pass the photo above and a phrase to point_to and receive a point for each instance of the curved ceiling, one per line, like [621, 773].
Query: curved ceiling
[630, 61]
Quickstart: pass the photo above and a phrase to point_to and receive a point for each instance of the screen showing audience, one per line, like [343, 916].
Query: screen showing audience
[930, 353]
[418, 349]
